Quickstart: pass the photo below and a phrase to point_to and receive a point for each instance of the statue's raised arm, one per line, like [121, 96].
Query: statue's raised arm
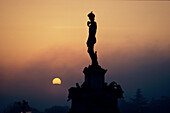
[92, 39]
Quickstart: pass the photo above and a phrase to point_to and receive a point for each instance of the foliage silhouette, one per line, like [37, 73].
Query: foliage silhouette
[139, 104]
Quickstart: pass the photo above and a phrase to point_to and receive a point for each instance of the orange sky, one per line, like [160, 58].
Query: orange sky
[39, 38]
[28, 27]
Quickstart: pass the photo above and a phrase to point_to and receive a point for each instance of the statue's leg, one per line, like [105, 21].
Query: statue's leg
[93, 55]
[91, 52]
[94, 59]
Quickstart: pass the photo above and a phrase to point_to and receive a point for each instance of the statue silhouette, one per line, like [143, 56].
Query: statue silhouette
[92, 39]
[94, 95]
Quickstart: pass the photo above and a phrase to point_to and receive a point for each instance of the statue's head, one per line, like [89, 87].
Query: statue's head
[91, 16]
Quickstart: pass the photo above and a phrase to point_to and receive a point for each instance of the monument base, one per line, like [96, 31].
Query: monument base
[94, 95]
[94, 77]
[94, 102]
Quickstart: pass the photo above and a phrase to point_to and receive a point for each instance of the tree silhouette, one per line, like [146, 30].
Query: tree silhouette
[139, 102]
[19, 107]
[161, 105]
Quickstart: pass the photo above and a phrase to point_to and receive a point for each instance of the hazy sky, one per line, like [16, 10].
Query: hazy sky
[44, 39]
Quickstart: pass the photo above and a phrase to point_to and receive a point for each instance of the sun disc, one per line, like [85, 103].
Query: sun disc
[56, 81]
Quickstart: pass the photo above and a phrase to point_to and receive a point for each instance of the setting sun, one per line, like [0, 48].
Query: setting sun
[56, 81]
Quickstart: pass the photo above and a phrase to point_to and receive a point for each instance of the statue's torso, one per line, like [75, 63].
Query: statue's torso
[92, 30]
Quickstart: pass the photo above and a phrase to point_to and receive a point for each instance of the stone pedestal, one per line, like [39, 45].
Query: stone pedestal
[94, 102]
[94, 77]
[94, 95]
